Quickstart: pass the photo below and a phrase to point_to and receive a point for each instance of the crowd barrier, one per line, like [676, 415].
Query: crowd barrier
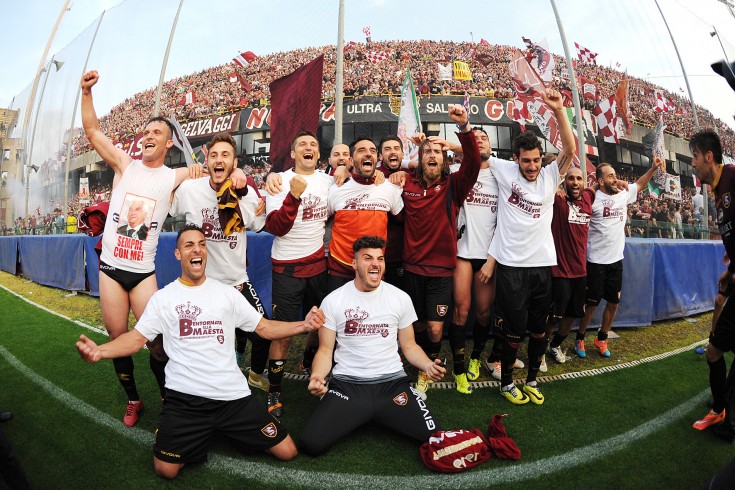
[662, 278]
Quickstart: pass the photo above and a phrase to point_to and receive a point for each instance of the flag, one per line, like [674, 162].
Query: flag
[409, 122]
[462, 71]
[181, 142]
[189, 98]
[366, 31]
[541, 60]
[662, 103]
[519, 113]
[295, 103]
[349, 45]
[466, 102]
[566, 94]
[484, 58]
[484, 43]
[654, 189]
[585, 55]
[589, 88]
[617, 64]
[244, 84]
[621, 101]
[607, 119]
[528, 86]
[377, 56]
[653, 142]
[445, 72]
[244, 59]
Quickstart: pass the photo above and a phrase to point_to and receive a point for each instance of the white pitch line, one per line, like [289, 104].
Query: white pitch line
[99, 330]
[279, 473]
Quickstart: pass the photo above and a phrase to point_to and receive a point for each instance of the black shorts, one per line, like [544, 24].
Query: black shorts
[604, 281]
[431, 296]
[569, 295]
[347, 406]
[394, 274]
[522, 302]
[291, 295]
[250, 294]
[723, 338]
[476, 263]
[335, 282]
[128, 280]
[188, 422]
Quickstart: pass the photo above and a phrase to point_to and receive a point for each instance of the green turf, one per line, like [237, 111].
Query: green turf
[61, 449]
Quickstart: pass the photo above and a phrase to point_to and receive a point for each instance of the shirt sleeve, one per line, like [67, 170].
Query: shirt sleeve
[408, 314]
[330, 319]
[632, 193]
[397, 199]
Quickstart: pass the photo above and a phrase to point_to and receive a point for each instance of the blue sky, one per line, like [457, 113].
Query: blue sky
[133, 35]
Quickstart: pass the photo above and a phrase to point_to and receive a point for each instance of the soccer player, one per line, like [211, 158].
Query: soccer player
[366, 320]
[205, 391]
[523, 248]
[360, 208]
[707, 166]
[432, 198]
[296, 216]
[570, 226]
[204, 202]
[127, 272]
[605, 247]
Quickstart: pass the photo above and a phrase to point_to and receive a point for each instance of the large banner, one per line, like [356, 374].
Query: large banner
[200, 128]
[84, 198]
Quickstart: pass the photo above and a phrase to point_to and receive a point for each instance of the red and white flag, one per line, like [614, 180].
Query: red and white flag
[349, 45]
[606, 113]
[244, 59]
[589, 88]
[662, 103]
[585, 55]
[377, 56]
[189, 98]
[484, 43]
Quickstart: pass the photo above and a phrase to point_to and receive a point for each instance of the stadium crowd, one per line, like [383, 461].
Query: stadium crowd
[219, 90]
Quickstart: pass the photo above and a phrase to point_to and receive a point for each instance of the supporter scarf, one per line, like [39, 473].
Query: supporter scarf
[228, 209]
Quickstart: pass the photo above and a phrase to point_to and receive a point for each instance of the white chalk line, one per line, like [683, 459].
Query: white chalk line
[282, 475]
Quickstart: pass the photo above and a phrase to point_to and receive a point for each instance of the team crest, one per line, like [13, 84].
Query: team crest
[441, 310]
[401, 399]
[726, 200]
[221, 339]
[270, 430]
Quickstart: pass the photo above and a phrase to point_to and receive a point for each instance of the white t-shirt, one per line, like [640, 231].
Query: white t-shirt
[606, 240]
[148, 189]
[226, 259]
[367, 326]
[198, 326]
[477, 218]
[307, 234]
[523, 232]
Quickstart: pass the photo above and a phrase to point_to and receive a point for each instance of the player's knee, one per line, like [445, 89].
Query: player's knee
[284, 450]
[166, 470]
[538, 335]
[713, 354]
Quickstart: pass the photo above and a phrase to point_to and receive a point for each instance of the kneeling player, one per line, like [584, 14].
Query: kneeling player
[363, 320]
[205, 390]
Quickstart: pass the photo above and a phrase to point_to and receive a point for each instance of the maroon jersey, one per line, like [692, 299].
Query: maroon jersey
[394, 243]
[430, 219]
[724, 187]
[570, 227]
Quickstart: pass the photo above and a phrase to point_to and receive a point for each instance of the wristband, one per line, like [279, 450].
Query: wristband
[462, 127]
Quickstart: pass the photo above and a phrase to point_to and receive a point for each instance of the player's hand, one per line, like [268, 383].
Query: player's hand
[657, 162]
[379, 177]
[341, 175]
[435, 370]
[458, 114]
[561, 192]
[553, 99]
[88, 350]
[196, 171]
[89, 79]
[488, 269]
[314, 319]
[260, 207]
[446, 145]
[239, 179]
[725, 259]
[298, 185]
[418, 138]
[317, 385]
[273, 183]
[398, 178]
[622, 185]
